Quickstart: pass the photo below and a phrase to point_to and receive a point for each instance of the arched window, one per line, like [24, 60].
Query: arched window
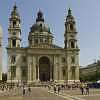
[63, 71]
[71, 27]
[23, 59]
[13, 59]
[63, 59]
[36, 41]
[72, 59]
[72, 44]
[14, 42]
[14, 23]
[14, 33]
[41, 40]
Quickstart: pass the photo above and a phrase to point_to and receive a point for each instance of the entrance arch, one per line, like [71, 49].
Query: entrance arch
[44, 69]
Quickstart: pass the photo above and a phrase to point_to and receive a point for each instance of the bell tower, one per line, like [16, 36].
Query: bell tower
[71, 47]
[14, 40]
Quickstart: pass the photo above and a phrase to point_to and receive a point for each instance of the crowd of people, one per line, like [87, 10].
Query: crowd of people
[56, 88]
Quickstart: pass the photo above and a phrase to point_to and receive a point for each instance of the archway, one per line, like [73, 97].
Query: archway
[44, 69]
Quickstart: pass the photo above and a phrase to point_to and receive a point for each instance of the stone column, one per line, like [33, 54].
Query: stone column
[29, 69]
[51, 72]
[29, 79]
[18, 74]
[37, 68]
[34, 69]
[38, 72]
[9, 75]
[55, 68]
[9, 70]
[60, 68]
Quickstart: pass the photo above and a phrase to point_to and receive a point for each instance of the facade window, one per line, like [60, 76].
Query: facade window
[46, 40]
[24, 73]
[36, 41]
[14, 24]
[72, 44]
[63, 60]
[40, 27]
[13, 59]
[71, 27]
[23, 59]
[63, 71]
[13, 72]
[14, 33]
[72, 59]
[14, 42]
[41, 40]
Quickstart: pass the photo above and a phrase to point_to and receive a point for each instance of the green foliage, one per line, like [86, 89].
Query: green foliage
[88, 77]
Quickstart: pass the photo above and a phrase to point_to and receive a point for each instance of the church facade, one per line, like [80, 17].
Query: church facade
[42, 60]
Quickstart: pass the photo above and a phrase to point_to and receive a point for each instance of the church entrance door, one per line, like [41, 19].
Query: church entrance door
[44, 69]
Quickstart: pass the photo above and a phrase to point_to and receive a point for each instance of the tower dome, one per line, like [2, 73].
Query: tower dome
[1, 31]
[40, 25]
[40, 33]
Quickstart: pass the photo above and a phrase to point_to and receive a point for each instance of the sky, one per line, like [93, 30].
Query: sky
[87, 17]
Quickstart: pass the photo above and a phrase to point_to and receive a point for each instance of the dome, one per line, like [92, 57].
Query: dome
[40, 27]
[1, 31]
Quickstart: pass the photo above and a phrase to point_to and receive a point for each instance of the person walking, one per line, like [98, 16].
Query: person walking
[55, 89]
[59, 88]
[82, 88]
[29, 90]
[23, 90]
[87, 89]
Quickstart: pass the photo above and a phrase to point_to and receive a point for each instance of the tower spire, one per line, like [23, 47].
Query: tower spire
[15, 11]
[40, 16]
[69, 12]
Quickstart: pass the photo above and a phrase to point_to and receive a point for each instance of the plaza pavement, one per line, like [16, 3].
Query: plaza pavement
[41, 93]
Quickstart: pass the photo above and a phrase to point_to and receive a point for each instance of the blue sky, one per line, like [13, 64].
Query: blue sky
[86, 13]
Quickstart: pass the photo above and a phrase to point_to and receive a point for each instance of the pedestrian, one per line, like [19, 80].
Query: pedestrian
[87, 89]
[29, 90]
[59, 89]
[49, 87]
[23, 91]
[54, 89]
[82, 88]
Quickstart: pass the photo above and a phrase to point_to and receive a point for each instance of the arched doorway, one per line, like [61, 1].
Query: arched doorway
[44, 69]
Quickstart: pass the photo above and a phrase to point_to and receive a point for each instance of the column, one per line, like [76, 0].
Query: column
[18, 74]
[29, 72]
[29, 69]
[9, 75]
[51, 72]
[38, 72]
[55, 68]
[9, 70]
[37, 68]
[60, 68]
[34, 69]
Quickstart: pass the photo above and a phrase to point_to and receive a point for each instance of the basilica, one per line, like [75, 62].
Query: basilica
[42, 60]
